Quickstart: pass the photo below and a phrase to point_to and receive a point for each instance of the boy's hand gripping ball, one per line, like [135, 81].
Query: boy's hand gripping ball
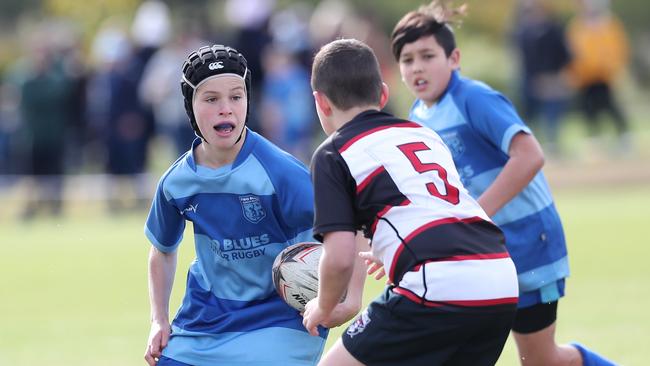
[295, 273]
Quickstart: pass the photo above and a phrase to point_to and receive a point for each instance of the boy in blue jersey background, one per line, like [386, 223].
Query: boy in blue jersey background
[247, 200]
[500, 163]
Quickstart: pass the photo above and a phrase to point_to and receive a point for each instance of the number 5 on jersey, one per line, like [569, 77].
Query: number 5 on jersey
[410, 150]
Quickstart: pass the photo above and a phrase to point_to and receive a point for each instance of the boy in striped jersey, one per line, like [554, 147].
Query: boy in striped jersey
[499, 161]
[453, 290]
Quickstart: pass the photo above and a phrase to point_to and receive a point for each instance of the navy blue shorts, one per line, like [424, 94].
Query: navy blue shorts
[394, 330]
[166, 361]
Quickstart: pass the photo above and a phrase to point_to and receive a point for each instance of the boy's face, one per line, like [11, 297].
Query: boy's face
[426, 69]
[220, 110]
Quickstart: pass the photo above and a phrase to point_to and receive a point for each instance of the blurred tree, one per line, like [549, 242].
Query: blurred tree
[87, 15]
[11, 9]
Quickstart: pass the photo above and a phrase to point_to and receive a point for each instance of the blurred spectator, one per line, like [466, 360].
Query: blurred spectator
[334, 19]
[250, 19]
[6, 130]
[327, 19]
[600, 54]
[18, 143]
[543, 54]
[45, 114]
[160, 89]
[9, 124]
[288, 112]
[124, 123]
[74, 66]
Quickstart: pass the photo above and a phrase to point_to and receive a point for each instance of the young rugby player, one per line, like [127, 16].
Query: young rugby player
[454, 287]
[499, 161]
[247, 200]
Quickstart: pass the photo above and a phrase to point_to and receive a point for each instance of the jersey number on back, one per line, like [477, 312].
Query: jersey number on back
[409, 151]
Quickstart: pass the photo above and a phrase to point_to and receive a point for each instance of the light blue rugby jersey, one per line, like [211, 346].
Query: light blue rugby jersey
[242, 217]
[478, 124]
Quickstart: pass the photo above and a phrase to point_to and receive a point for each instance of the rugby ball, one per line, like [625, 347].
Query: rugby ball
[295, 273]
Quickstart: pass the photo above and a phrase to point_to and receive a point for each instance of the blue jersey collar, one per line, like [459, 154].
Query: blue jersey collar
[249, 142]
[453, 81]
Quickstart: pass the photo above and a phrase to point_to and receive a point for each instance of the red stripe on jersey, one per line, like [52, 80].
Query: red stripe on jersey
[370, 132]
[470, 257]
[381, 213]
[435, 223]
[467, 303]
[369, 178]
[465, 258]
[487, 302]
[422, 228]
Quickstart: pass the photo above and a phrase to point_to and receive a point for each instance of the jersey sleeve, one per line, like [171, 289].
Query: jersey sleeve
[333, 197]
[165, 224]
[494, 117]
[296, 200]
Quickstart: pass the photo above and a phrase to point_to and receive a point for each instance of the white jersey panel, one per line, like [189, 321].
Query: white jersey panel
[464, 280]
[407, 219]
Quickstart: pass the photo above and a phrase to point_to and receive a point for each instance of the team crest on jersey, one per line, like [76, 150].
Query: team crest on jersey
[252, 208]
[359, 325]
[455, 143]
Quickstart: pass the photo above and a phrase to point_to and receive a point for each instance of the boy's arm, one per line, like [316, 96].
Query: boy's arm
[162, 268]
[335, 271]
[526, 160]
[336, 268]
[354, 296]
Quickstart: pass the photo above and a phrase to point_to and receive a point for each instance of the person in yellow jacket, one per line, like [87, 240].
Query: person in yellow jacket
[600, 53]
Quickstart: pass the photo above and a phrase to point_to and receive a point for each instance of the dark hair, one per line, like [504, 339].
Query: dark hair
[347, 72]
[434, 19]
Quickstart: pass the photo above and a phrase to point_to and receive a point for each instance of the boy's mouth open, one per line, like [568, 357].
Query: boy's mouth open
[420, 84]
[224, 129]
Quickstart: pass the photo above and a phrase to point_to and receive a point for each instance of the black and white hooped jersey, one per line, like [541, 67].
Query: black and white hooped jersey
[396, 181]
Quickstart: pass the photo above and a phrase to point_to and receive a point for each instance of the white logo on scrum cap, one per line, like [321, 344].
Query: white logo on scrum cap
[216, 65]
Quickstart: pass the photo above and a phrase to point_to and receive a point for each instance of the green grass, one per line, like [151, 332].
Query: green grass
[74, 290]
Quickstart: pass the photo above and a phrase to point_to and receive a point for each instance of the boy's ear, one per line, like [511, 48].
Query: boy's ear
[323, 103]
[454, 58]
[383, 98]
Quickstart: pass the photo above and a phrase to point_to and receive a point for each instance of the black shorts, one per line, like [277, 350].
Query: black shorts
[535, 318]
[394, 330]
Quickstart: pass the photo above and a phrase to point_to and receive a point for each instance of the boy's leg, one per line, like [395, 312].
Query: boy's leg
[534, 333]
[539, 348]
[338, 355]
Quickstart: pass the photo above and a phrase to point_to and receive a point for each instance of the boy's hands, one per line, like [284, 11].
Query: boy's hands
[374, 264]
[313, 316]
[158, 338]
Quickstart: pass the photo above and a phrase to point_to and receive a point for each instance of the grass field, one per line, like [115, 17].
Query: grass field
[74, 290]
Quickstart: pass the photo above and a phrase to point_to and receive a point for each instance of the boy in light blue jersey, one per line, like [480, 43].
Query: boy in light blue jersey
[247, 200]
[499, 161]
